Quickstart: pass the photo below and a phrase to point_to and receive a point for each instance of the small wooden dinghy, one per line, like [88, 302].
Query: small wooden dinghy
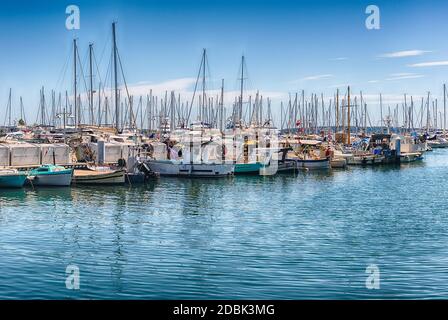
[98, 176]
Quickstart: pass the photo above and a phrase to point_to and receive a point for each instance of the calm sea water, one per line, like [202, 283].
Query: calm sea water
[309, 235]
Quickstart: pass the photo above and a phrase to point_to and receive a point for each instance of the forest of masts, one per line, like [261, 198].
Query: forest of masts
[101, 102]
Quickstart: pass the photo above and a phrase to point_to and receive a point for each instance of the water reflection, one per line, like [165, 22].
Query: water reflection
[308, 234]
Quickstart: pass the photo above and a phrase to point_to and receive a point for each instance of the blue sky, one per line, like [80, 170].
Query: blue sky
[289, 45]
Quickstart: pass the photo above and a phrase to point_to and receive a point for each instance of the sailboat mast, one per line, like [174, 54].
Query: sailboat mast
[9, 108]
[381, 113]
[99, 106]
[22, 111]
[117, 105]
[203, 88]
[221, 107]
[444, 108]
[75, 83]
[91, 83]
[242, 88]
[337, 110]
[348, 115]
[427, 114]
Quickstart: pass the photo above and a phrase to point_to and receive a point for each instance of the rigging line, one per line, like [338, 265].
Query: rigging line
[105, 46]
[96, 65]
[194, 91]
[8, 108]
[81, 75]
[138, 111]
[122, 73]
[101, 91]
[130, 98]
[82, 70]
[63, 71]
[106, 79]
[212, 87]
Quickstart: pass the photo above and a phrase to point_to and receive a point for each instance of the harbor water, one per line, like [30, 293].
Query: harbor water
[290, 236]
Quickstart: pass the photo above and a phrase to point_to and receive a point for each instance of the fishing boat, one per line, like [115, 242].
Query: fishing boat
[50, 175]
[178, 168]
[99, 176]
[310, 155]
[11, 178]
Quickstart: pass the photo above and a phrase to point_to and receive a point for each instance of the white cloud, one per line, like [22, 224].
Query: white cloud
[430, 64]
[318, 77]
[405, 53]
[403, 76]
[180, 85]
[339, 59]
[185, 87]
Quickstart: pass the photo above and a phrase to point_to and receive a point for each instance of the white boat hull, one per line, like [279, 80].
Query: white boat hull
[168, 168]
[410, 157]
[437, 144]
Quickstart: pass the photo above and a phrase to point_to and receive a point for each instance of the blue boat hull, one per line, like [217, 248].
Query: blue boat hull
[12, 181]
[247, 168]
